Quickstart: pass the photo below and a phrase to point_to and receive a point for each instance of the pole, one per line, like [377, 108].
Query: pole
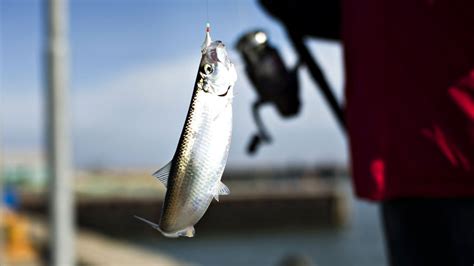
[318, 76]
[61, 199]
[2, 176]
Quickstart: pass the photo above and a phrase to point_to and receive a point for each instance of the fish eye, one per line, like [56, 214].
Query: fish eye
[208, 69]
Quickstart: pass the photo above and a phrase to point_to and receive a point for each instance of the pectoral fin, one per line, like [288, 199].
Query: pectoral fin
[225, 107]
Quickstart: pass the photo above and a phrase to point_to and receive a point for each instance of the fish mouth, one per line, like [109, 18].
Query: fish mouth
[216, 52]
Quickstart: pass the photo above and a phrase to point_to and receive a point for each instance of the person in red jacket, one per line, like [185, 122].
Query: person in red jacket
[410, 118]
[409, 113]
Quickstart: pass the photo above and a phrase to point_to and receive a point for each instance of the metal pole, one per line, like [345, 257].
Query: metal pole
[58, 139]
[2, 207]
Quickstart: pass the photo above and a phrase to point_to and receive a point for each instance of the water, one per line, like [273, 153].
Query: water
[360, 243]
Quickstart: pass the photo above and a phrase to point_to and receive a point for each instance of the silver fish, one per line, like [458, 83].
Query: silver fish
[193, 176]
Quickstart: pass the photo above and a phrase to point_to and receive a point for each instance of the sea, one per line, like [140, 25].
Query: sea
[359, 243]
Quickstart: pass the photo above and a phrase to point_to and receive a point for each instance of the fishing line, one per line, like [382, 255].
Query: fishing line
[207, 11]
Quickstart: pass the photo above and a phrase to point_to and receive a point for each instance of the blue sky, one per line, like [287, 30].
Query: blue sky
[133, 64]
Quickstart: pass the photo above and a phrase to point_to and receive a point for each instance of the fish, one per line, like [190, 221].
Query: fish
[193, 176]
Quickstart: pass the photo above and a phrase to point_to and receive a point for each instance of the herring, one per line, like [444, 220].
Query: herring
[193, 176]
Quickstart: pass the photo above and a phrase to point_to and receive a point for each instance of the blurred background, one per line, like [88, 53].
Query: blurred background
[132, 67]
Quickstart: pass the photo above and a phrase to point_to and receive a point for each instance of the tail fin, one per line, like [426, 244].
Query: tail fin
[188, 231]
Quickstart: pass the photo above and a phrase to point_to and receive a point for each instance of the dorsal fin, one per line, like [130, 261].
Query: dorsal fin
[163, 174]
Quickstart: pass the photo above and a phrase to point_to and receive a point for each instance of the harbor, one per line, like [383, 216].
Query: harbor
[306, 200]
[253, 204]
[360, 240]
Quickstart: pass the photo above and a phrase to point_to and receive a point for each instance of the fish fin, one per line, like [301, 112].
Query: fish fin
[221, 189]
[155, 226]
[163, 174]
[188, 231]
[223, 109]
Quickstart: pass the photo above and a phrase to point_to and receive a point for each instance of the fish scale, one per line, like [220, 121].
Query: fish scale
[202, 167]
[193, 177]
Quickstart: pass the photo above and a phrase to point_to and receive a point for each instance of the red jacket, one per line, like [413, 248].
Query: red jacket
[410, 97]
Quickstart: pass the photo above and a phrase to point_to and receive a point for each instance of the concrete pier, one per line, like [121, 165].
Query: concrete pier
[95, 249]
[252, 205]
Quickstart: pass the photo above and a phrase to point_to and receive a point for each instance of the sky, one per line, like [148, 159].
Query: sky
[132, 70]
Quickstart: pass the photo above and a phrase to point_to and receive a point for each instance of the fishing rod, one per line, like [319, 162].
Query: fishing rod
[276, 84]
[318, 76]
